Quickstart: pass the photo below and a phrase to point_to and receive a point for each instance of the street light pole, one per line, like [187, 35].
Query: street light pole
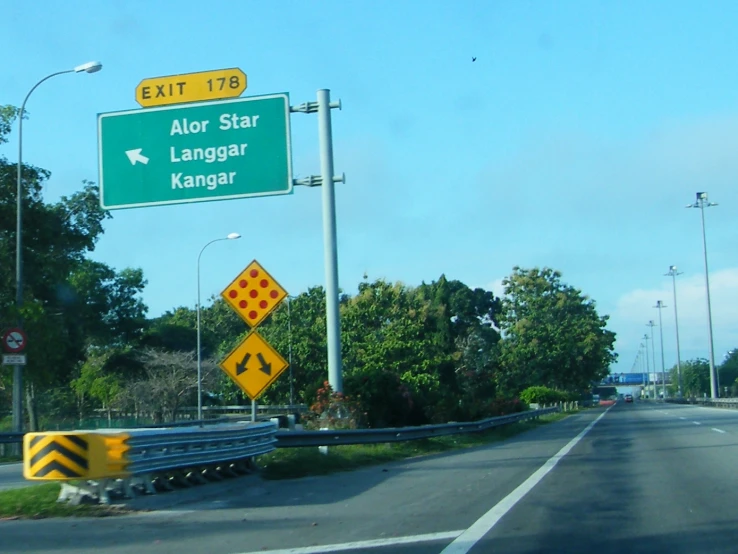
[648, 369]
[89, 67]
[289, 350]
[702, 203]
[673, 273]
[232, 236]
[659, 305]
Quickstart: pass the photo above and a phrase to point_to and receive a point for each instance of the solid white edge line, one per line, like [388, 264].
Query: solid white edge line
[376, 543]
[466, 541]
[718, 430]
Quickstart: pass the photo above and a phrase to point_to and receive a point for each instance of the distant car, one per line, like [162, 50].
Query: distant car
[629, 398]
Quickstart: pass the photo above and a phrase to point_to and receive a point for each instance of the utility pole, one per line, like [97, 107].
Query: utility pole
[659, 305]
[648, 369]
[703, 203]
[673, 273]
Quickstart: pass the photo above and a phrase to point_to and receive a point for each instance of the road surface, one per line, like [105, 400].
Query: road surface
[11, 476]
[645, 478]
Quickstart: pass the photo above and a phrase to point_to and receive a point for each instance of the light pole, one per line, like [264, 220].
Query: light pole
[640, 369]
[648, 369]
[702, 203]
[89, 67]
[289, 350]
[232, 236]
[673, 273]
[659, 305]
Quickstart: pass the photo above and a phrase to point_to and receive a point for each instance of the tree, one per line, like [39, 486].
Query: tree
[170, 379]
[728, 372]
[308, 343]
[695, 378]
[94, 381]
[552, 334]
[69, 302]
[461, 326]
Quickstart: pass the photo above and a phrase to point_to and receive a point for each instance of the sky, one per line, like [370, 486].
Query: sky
[574, 141]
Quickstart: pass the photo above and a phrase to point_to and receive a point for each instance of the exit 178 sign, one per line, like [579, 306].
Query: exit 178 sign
[191, 87]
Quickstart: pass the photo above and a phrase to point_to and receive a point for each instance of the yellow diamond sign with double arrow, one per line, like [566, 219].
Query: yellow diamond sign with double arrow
[254, 365]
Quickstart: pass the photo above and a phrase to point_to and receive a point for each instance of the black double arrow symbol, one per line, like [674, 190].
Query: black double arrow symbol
[265, 367]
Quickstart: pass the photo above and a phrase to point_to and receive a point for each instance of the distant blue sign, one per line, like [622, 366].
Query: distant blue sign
[627, 378]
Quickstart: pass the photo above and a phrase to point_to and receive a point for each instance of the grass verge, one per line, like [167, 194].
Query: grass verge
[291, 463]
[39, 501]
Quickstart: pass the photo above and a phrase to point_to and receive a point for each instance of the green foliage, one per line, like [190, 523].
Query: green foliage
[69, 301]
[542, 395]
[695, 378]
[40, 501]
[553, 335]
[728, 373]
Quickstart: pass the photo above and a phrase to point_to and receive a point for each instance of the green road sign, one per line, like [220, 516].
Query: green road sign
[195, 153]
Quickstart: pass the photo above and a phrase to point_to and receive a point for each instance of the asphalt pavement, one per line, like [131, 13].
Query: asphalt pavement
[11, 476]
[637, 477]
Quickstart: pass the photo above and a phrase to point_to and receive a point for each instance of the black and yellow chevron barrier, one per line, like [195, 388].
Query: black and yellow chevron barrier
[74, 455]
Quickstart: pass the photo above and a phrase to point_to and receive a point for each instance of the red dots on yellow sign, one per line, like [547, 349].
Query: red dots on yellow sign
[254, 294]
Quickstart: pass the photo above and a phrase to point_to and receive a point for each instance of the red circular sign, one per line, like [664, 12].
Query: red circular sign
[14, 340]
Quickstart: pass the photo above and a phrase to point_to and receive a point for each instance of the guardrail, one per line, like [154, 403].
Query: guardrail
[9, 443]
[120, 462]
[11, 438]
[293, 439]
[123, 462]
[716, 402]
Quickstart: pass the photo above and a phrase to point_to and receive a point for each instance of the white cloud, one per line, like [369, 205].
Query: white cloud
[635, 309]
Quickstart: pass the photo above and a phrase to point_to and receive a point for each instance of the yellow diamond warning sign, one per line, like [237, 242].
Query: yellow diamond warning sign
[254, 294]
[254, 365]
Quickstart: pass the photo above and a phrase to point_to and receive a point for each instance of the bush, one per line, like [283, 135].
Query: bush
[384, 400]
[542, 395]
[505, 406]
[333, 410]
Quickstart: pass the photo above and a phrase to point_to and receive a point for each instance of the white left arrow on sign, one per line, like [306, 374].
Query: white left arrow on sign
[136, 156]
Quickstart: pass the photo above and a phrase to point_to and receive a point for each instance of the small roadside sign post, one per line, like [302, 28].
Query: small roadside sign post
[14, 340]
[254, 364]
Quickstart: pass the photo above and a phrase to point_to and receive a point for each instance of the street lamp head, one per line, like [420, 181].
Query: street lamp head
[89, 67]
[233, 236]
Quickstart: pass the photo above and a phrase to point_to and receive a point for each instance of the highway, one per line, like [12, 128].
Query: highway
[636, 477]
[11, 476]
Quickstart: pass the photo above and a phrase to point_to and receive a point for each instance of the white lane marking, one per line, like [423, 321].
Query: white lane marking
[680, 417]
[718, 430]
[696, 423]
[377, 543]
[466, 541]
